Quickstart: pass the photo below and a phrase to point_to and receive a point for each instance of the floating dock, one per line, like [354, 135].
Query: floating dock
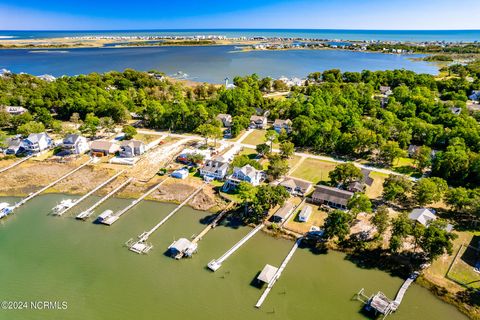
[36, 193]
[114, 217]
[87, 213]
[141, 245]
[15, 164]
[380, 303]
[61, 213]
[214, 265]
[278, 273]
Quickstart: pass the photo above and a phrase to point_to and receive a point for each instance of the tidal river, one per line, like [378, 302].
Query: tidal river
[206, 64]
[86, 266]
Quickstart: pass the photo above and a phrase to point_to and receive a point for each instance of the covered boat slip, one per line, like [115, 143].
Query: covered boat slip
[267, 273]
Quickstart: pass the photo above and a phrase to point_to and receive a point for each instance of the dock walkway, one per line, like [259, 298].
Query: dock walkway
[15, 164]
[87, 213]
[113, 218]
[140, 246]
[214, 265]
[36, 193]
[88, 194]
[213, 224]
[403, 290]
[278, 273]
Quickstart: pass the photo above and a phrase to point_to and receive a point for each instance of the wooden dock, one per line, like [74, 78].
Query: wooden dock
[87, 213]
[403, 290]
[36, 193]
[213, 224]
[141, 246]
[15, 164]
[113, 218]
[278, 273]
[214, 265]
[88, 194]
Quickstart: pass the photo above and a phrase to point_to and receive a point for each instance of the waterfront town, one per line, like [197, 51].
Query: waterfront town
[284, 156]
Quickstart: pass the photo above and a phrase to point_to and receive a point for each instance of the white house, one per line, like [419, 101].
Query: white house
[37, 142]
[75, 144]
[215, 169]
[225, 119]
[305, 213]
[15, 111]
[131, 148]
[279, 124]
[258, 122]
[246, 173]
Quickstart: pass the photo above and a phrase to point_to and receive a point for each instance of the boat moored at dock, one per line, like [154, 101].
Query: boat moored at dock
[62, 206]
[5, 209]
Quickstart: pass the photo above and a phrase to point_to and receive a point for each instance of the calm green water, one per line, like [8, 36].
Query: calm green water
[60, 259]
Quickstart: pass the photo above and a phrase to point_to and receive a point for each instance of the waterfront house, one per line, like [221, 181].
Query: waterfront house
[283, 213]
[15, 111]
[279, 124]
[331, 196]
[180, 173]
[37, 142]
[214, 169]
[296, 187]
[131, 148]
[258, 122]
[75, 144]
[15, 146]
[305, 213]
[225, 119]
[103, 148]
[246, 173]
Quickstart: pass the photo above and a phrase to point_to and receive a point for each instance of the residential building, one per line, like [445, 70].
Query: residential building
[412, 150]
[131, 148]
[283, 213]
[37, 142]
[331, 196]
[286, 125]
[475, 95]
[75, 144]
[225, 119]
[386, 90]
[360, 186]
[103, 148]
[15, 111]
[258, 122]
[246, 173]
[305, 213]
[215, 169]
[425, 217]
[15, 146]
[296, 187]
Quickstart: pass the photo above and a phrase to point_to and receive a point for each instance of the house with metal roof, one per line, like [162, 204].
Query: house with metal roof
[283, 213]
[331, 196]
[305, 213]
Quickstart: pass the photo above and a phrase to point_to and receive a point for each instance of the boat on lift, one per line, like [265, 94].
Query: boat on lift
[63, 205]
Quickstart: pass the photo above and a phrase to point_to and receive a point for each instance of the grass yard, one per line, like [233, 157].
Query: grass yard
[406, 166]
[462, 269]
[317, 218]
[257, 137]
[314, 170]
[251, 153]
[376, 189]
[146, 138]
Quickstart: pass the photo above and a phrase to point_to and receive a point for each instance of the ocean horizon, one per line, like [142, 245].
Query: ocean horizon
[327, 34]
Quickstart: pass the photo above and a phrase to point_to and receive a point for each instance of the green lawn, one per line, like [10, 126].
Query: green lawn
[257, 137]
[314, 170]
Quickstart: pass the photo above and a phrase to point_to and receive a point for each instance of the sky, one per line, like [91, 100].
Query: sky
[210, 14]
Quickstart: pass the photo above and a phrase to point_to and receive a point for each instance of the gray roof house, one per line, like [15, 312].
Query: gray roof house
[15, 110]
[215, 169]
[296, 186]
[103, 147]
[422, 215]
[331, 196]
[37, 142]
[283, 213]
[131, 148]
[15, 146]
[258, 122]
[75, 144]
[279, 124]
[225, 119]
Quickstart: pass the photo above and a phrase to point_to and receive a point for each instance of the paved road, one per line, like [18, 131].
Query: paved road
[299, 154]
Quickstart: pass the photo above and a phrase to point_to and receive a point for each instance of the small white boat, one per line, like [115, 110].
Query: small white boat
[63, 205]
[5, 209]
